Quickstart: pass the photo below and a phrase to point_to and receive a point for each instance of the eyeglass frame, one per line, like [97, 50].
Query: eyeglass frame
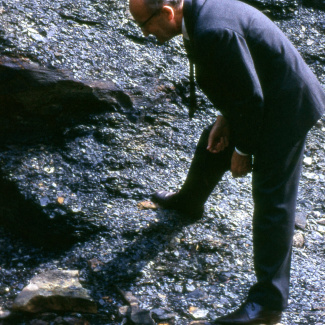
[143, 24]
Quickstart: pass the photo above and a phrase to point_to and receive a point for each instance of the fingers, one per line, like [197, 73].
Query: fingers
[240, 165]
[219, 146]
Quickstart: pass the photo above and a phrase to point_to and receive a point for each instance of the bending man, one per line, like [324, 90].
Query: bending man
[269, 100]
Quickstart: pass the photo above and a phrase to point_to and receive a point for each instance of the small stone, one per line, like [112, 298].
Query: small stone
[124, 311]
[197, 294]
[298, 240]
[39, 322]
[95, 265]
[319, 124]
[136, 314]
[197, 313]
[141, 317]
[4, 313]
[308, 161]
[321, 229]
[301, 220]
[146, 205]
[311, 176]
[37, 37]
[316, 214]
[190, 287]
[74, 321]
[162, 314]
[178, 288]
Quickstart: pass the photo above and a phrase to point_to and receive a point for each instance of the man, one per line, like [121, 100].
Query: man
[269, 99]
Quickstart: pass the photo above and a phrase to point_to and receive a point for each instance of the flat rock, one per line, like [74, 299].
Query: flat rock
[47, 99]
[55, 290]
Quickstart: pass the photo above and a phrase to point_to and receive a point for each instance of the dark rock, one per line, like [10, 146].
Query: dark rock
[37, 99]
[134, 313]
[315, 3]
[95, 265]
[161, 315]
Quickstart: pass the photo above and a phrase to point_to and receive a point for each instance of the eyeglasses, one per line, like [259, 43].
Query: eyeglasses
[141, 25]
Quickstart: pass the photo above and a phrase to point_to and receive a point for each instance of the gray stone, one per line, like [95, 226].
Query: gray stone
[55, 290]
[133, 312]
[190, 287]
[301, 220]
[198, 313]
[162, 314]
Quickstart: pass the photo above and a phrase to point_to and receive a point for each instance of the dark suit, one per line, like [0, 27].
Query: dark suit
[262, 86]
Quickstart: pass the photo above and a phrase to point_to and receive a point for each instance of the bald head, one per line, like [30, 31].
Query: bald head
[138, 8]
[158, 4]
[161, 18]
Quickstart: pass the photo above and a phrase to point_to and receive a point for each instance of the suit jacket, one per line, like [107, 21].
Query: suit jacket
[251, 73]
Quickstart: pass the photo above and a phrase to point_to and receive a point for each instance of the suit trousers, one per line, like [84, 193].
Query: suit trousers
[275, 180]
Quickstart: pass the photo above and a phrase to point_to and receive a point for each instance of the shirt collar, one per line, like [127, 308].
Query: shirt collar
[184, 31]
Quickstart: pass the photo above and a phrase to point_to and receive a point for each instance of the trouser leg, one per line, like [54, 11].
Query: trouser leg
[275, 188]
[205, 171]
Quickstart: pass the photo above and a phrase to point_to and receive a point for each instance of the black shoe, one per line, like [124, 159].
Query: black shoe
[250, 313]
[174, 201]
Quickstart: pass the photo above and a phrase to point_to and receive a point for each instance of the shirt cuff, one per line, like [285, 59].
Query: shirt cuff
[241, 153]
[219, 113]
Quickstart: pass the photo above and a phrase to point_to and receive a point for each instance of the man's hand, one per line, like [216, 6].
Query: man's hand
[219, 135]
[240, 165]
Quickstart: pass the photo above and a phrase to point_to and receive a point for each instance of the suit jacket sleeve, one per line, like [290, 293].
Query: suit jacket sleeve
[226, 73]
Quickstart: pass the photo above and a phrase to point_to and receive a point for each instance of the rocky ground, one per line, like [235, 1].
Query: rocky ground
[91, 174]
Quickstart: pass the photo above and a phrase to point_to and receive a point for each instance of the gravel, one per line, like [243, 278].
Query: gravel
[107, 165]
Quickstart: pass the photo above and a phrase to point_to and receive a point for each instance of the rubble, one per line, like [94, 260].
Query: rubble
[71, 180]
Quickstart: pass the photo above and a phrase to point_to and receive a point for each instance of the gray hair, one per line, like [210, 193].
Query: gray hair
[158, 4]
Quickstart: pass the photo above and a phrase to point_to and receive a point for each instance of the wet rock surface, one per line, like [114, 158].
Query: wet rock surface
[73, 188]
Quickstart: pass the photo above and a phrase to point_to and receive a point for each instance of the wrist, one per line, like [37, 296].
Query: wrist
[241, 153]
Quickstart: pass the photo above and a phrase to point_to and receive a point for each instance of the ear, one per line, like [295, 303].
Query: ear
[168, 11]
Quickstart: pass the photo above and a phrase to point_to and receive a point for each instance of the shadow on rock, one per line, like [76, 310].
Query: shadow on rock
[38, 103]
[127, 265]
[28, 220]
